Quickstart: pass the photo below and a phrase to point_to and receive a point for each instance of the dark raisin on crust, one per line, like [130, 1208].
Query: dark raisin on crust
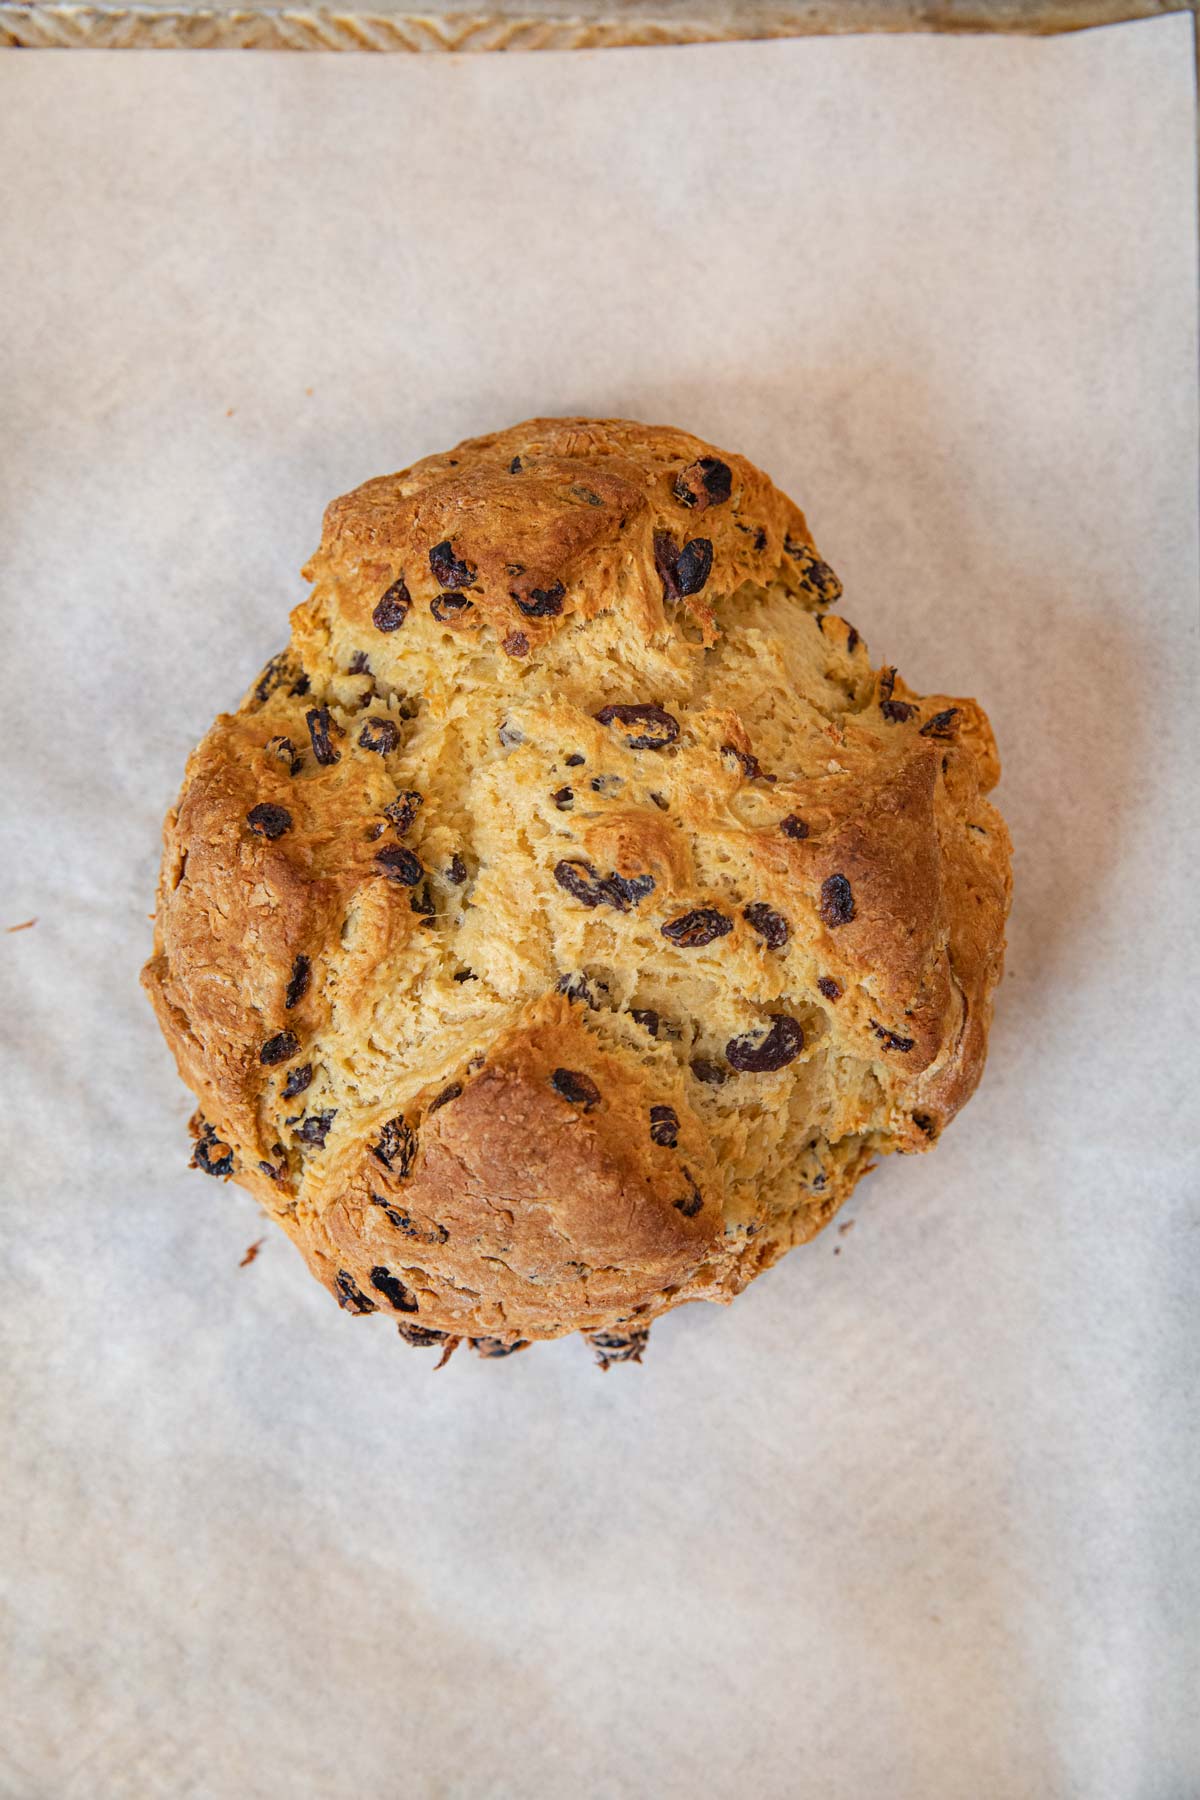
[618, 1346]
[300, 686]
[831, 989]
[586, 494]
[314, 1127]
[749, 764]
[942, 724]
[581, 881]
[664, 1126]
[393, 1290]
[685, 571]
[457, 872]
[401, 811]
[771, 926]
[284, 751]
[360, 663]
[350, 1297]
[646, 1017]
[277, 1170]
[837, 901]
[540, 603]
[421, 901]
[576, 987]
[401, 864]
[898, 712]
[924, 1123]
[755, 1055]
[269, 821]
[655, 729]
[693, 566]
[297, 1080]
[493, 1347]
[793, 827]
[450, 571]
[419, 1336]
[465, 975]
[447, 1094]
[402, 1221]
[320, 724]
[297, 985]
[379, 735]
[692, 1201]
[891, 1040]
[706, 482]
[703, 925]
[852, 641]
[814, 574]
[424, 1234]
[661, 801]
[630, 889]
[280, 1048]
[273, 675]
[515, 643]
[575, 761]
[563, 798]
[445, 607]
[515, 466]
[392, 610]
[211, 1153]
[579, 1089]
[710, 1073]
[397, 1147]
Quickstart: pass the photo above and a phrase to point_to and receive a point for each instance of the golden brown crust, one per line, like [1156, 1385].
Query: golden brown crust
[576, 504]
[535, 1197]
[570, 916]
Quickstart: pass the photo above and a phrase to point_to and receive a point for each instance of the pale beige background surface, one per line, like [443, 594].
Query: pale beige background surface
[915, 1520]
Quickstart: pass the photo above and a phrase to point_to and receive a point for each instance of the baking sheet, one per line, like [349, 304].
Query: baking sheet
[508, 25]
[915, 1518]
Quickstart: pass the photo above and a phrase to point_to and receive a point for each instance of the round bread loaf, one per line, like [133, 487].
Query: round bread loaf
[570, 915]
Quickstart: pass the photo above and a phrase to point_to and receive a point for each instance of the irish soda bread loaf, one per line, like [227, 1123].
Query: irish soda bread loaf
[570, 915]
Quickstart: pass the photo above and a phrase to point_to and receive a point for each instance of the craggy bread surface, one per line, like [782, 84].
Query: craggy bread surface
[570, 915]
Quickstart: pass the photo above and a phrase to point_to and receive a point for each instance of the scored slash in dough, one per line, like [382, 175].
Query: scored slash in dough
[570, 915]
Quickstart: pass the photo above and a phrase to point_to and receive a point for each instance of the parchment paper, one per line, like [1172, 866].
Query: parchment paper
[915, 1518]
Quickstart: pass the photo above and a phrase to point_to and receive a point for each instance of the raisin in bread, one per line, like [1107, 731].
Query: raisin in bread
[570, 915]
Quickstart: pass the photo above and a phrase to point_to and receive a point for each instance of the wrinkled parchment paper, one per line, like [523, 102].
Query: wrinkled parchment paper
[915, 1519]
